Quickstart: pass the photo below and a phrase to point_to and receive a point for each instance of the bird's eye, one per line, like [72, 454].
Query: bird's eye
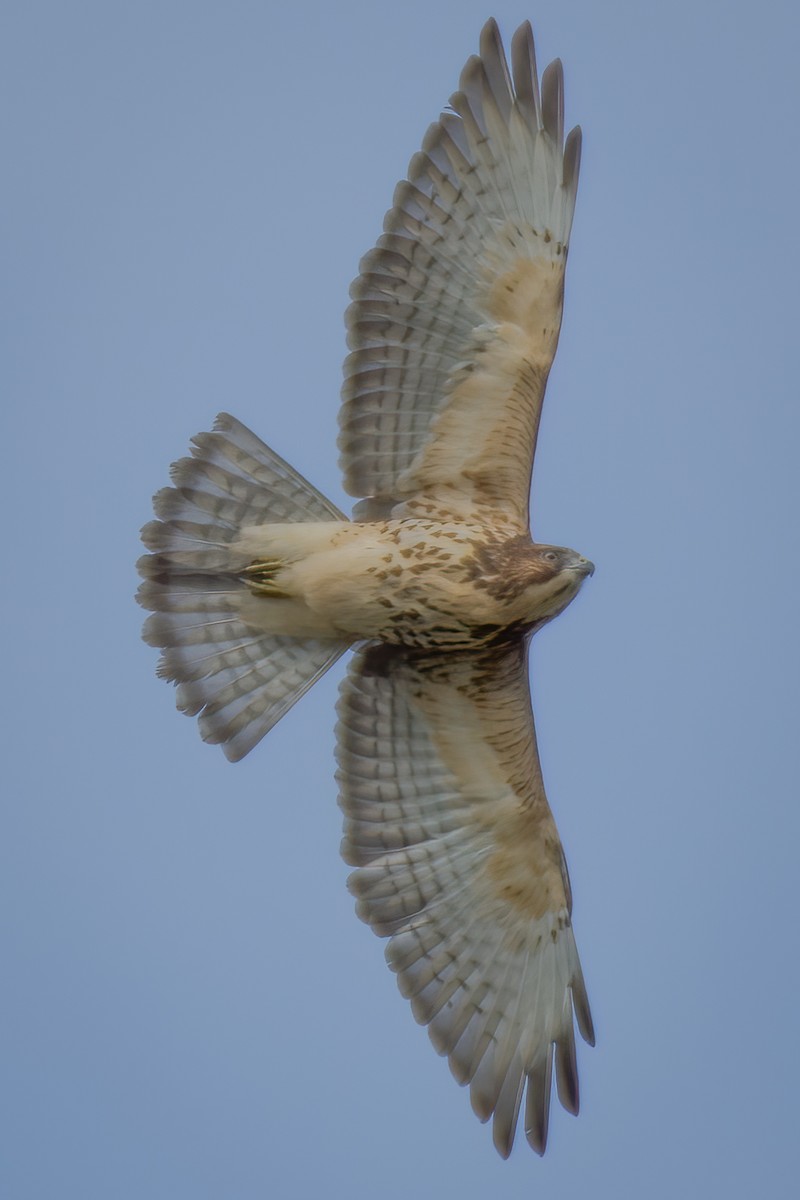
[551, 555]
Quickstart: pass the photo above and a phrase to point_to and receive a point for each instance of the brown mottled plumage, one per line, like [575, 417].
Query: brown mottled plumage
[257, 584]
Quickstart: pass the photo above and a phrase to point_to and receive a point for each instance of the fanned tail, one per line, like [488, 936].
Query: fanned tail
[236, 676]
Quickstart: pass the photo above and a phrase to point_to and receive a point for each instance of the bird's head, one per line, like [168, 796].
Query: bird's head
[551, 561]
[552, 578]
[531, 582]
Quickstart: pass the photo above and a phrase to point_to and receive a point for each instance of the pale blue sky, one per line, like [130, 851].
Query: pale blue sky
[190, 1009]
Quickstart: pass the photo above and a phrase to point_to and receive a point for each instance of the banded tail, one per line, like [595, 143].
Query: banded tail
[239, 679]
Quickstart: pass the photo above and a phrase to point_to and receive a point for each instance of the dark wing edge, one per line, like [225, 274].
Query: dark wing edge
[459, 864]
[492, 191]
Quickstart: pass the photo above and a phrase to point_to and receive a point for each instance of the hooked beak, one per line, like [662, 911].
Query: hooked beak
[583, 565]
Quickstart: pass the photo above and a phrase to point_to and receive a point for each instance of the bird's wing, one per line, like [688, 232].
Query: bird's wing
[460, 865]
[456, 312]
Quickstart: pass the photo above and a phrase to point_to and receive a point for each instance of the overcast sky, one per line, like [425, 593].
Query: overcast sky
[189, 1008]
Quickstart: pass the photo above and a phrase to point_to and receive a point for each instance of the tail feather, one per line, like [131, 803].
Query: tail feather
[178, 534]
[198, 505]
[236, 677]
[238, 464]
[251, 695]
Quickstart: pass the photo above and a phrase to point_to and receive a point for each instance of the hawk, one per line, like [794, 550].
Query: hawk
[257, 584]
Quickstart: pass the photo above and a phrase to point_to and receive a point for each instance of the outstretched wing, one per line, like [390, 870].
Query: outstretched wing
[461, 866]
[456, 312]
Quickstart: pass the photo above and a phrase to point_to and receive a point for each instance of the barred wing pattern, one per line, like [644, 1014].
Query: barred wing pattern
[231, 673]
[456, 312]
[460, 865]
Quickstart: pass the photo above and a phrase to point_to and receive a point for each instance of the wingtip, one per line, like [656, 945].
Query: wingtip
[523, 68]
[582, 1009]
[567, 1073]
[503, 1144]
[553, 100]
[572, 158]
[537, 1103]
[489, 33]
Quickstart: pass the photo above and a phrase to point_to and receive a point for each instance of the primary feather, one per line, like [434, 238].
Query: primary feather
[456, 312]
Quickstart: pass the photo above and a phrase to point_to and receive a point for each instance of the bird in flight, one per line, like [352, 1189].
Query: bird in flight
[257, 584]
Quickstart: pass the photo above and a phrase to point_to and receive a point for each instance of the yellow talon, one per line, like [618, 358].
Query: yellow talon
[260, 577]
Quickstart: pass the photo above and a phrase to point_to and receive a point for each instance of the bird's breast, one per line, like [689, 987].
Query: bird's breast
[410, 582]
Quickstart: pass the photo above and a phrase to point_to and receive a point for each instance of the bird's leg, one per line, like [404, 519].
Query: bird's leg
[260, 577]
